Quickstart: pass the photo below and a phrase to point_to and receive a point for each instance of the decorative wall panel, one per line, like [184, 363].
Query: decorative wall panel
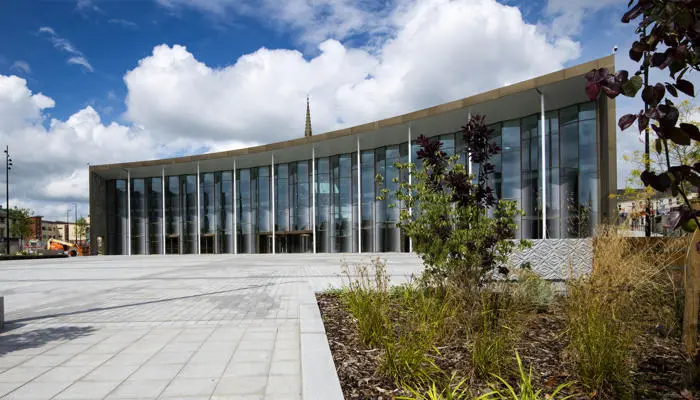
[557, 259]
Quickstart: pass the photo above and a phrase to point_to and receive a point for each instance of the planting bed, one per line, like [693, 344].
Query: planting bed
[661, 371]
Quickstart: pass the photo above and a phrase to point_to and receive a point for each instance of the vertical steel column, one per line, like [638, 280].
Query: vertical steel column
[128, 212]
[469, 155]
[544, 170]
[313, 194]
[272, 201]
[235, 212]
[410, 181]
[199, 227]
[162, 181]
[359, 199]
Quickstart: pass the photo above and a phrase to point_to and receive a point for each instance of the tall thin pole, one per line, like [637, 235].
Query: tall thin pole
[469, 155]
[128, 212]
[75, 223]
[359, 199]
[544, 170]
[199, 226]
[7, 198]
[162, 224]
[235, 212]
[313, 195]
[272, 200]
[647, 228]
[410, 180]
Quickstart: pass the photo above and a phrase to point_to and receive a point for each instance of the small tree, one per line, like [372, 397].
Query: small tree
[458, 227]
[80, 228]
[20, 222]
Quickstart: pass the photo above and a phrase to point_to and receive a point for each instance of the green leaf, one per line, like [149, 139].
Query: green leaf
[632, 86]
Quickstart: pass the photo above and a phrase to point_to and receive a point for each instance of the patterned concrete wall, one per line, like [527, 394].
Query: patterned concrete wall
[557, 259]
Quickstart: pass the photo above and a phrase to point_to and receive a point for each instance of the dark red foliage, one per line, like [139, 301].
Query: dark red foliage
[675, 26]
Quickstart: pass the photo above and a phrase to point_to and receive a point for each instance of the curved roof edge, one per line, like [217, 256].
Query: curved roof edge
[553, 77]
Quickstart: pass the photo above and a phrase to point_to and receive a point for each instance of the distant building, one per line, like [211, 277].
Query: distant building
[14, 240]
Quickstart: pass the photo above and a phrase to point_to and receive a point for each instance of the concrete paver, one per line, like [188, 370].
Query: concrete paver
[171, 327]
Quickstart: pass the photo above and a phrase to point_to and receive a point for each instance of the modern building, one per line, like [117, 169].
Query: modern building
[318, 193]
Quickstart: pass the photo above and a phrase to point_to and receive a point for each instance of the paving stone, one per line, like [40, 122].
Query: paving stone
[22, 374]
[190, 387]
[130, 325]
[247, 369]
[87, 390]
[204, 370]
[139, 389]
[38, 390]
[241, 385]
[156, 371]
[285, 368]
[283, 384]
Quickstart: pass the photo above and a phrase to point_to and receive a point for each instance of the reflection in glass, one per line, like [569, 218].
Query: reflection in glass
[155, 215]
[207, 214]
[138, 217]
[323, 206]
[173, 216]
[245, 217]
[188, 192]
[117, 217]
[224, 221]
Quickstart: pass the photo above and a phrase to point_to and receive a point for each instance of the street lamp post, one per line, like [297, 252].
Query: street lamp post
[8, 167]
[75, 223]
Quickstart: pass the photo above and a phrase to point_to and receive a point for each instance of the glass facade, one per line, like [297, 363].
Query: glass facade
[167, 216]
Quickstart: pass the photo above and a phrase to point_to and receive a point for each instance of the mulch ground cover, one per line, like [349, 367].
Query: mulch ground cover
[661, 371]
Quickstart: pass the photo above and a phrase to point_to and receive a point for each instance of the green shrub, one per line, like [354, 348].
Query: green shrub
[407, 357]
[366, 296]
[599, 341]
[491, 335]
[532, 291]
[428, 389]
[526, 390]
[421, 320]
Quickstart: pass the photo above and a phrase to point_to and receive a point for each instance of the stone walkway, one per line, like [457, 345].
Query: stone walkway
[171, 327]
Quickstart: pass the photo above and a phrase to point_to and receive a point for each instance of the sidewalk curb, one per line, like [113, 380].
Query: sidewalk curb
[319, 379]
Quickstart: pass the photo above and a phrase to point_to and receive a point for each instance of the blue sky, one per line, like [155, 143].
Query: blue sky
[128, 80]
[113, 36]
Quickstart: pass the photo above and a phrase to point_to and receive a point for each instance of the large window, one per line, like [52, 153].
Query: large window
[282, 211]
[139, 222]
[510, 163]
[246, 212]
[117, 217]
[155, 215]
[173, 216]
[368, 199]
[188, 193]
[323, 206]
[530, 170]
[224, 221]
[264, 210]
[207, 213]
[341, 167]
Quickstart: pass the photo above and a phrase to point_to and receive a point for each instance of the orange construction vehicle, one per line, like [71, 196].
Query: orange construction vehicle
[65, 247]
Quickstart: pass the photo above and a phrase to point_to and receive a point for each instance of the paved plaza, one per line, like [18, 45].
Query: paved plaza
[171, 327]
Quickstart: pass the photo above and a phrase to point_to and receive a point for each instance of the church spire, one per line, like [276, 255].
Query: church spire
[307, 129]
